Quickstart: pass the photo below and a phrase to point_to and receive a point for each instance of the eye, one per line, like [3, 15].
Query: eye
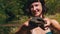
[36, 5]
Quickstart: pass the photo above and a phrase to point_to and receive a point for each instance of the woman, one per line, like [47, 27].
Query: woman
[36, 8]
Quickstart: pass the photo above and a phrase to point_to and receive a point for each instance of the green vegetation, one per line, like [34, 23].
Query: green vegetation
[11, 12]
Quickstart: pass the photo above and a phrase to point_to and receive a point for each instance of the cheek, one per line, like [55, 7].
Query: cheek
[40, 8]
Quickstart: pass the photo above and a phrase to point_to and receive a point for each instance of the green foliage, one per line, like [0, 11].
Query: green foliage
[4, 30]
[52, 6]
[10, 6]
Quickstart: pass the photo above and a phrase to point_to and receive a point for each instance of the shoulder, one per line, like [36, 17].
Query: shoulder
[53, 21]
[26, 23]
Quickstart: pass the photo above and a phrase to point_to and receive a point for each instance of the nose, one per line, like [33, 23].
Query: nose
[34, 8]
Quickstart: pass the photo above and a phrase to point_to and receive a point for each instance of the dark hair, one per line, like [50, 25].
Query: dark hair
[29, 2]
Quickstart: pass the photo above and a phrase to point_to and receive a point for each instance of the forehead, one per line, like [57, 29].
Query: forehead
[35, 3]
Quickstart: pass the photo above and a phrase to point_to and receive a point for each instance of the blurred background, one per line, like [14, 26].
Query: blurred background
[12, 14]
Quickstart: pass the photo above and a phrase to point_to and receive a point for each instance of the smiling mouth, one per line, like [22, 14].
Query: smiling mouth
[36, 12]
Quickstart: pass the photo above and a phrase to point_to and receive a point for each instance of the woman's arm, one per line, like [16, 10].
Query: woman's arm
[55, 24]
[22, 28]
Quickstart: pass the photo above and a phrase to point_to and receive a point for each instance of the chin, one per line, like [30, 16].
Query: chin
[36, 15]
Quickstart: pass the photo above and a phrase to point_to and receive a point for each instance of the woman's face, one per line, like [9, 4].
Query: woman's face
[36, 8]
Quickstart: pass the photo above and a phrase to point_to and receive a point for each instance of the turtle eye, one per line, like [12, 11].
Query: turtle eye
[38, 20]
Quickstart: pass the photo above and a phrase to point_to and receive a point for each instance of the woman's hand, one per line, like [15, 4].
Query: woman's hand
[47, 22]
